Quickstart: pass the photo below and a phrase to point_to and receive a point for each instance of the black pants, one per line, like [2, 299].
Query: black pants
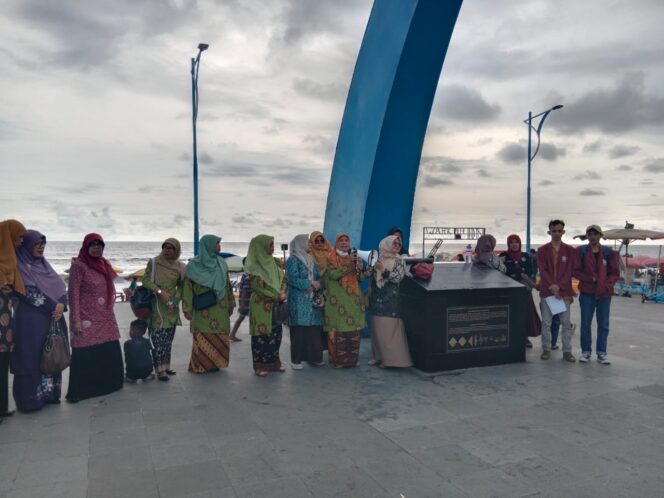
[4, 382]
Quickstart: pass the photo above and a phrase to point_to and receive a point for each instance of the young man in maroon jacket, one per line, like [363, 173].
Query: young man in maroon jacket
[596, 267]
[555, 261]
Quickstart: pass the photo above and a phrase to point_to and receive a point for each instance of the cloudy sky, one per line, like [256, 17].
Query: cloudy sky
[95, 115]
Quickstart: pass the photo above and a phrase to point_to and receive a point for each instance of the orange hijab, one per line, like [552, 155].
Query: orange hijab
[349, 280]
[10, 232]
[319, 255]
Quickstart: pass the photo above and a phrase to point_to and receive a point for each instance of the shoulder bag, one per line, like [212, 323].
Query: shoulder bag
[56, 355]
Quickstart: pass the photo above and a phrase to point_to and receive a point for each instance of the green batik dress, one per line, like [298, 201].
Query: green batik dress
[265, 335]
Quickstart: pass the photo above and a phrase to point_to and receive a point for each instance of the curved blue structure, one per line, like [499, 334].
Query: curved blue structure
[387, 111]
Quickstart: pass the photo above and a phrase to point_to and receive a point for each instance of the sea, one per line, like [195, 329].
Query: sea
[127, 257]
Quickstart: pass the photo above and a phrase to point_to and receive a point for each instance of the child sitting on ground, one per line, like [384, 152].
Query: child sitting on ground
[138, 353]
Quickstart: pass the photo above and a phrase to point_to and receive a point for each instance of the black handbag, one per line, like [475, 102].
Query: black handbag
[280, 312]
[204, 300]
[55, 355]
[318, 298]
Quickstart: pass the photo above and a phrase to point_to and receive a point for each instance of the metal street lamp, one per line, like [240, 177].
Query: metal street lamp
[195, 63]
[531, 156]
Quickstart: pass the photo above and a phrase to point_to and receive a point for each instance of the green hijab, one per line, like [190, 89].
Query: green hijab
[260, 262]
[208, 268]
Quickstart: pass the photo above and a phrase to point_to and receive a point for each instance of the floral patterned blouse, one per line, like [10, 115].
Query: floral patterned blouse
[213, 320]
[385, 301]
[344, 310]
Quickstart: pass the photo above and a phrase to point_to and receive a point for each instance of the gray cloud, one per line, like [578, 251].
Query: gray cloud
[327, 92]
[618, 151]
[588, 175]
[551, 152]
[320, 144]
[179, 219]
[591, 192]
[624, 107]
[433, 181]
[463, 103]
[624, 167]
[657, 166]
[546, 183]
[483, 173]
[593, 146]
[244, 220]
[85, 188]
[513, 153]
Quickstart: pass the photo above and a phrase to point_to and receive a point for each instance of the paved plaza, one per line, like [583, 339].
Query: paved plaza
[531, 429]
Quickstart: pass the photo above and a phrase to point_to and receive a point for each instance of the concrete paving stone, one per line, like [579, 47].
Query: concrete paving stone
[117, 462]
[125, 437]
[247, 470]
[654, 390]
[52, 471]
[166, 454]
[217, 493]
[291, 487]
[636, 451]
[176, 432]
[450, 460]
[345, 481]
[192, 478]
[433, 435]
[110, 422]
[67, 489]
[40, 450]
[11, 456]
[537, 470]
[242, 445]
[578, 434]
[497, 450]
[494, 483]
[141, 484]
[15, 430]
[127, 404]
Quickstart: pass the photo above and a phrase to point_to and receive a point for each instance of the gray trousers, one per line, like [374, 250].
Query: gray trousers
[566, 322]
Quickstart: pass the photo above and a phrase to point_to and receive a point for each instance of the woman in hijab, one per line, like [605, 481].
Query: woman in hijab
[305, 321]
[209, 320]
[96, 362]
[11, 284]
[344, 306]
[517, 267]
[395, 230]
[164, 276]
[42, 305]
[319, 248]
[484, 253]
[267, 290]
[389, 346]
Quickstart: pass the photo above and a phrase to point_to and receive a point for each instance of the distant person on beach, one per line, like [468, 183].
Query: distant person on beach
[597, 269]
[518, 267]
[344, 305]
[166, 281]
[38, 312]
[555, 261]
[389, 346]
[96, 363]
[305, 320]
[399, 233]
[268, 289]
[319, 248]
[11, 284]
[208, 302]
[138, 353]
[243, 304]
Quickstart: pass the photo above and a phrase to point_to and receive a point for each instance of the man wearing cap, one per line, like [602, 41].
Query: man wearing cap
[597, 269]
[555, 261]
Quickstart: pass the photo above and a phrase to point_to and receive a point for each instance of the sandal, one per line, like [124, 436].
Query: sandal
[373, 363]
[163, 378]
[262, 373]
[171, 372]
[235, 339]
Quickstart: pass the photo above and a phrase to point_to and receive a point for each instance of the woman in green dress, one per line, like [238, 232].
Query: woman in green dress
[344, 306]
[267, 290]
[164, 276]
[210, 322]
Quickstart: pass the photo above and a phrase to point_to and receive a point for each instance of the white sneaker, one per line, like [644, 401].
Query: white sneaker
[296, 366]
[584, 358]
[603, 360]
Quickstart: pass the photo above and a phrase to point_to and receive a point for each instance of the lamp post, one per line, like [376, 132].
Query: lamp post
[195, 64]
[531, 156]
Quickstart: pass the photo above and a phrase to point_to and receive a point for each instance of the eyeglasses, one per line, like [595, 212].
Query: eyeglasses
[40, 243]
[319, 241]
[97, 243]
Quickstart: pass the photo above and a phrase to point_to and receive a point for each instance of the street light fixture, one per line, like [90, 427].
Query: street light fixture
[195, 64]
[531, 156]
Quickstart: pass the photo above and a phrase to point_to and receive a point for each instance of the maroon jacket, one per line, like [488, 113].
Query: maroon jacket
[563, 273]
[596, 275]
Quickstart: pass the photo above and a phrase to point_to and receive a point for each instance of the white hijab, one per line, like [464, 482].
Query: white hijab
[299, 247]
[388, 256]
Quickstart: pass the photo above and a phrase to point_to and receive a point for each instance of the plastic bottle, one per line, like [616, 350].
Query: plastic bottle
[468, 253]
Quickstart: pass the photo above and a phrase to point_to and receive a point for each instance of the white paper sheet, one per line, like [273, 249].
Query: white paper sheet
[555, 304]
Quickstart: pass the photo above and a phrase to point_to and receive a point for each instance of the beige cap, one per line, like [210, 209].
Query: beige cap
[596, 228]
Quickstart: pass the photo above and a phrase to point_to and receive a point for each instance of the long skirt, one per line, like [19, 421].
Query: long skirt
[162, 343]
[95, 370]
[534, 323]
[343, 348]
[389, 345]
[32, 391]
[209, 352]
[265, 350]
[306, 344]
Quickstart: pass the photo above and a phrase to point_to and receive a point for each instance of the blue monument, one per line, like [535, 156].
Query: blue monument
[385, 120]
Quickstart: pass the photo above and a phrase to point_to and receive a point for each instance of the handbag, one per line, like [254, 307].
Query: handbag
[422, 270]
[204, 300]
[280, 312]
[141, 298]
[318, 298]
[56, 355]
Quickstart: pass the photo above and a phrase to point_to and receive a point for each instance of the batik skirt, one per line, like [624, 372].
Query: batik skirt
[343, 348]
[162, 343]
[209, 352]
[265, 350]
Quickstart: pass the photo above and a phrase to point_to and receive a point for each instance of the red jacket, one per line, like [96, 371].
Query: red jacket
[563, 274]
[596, 276]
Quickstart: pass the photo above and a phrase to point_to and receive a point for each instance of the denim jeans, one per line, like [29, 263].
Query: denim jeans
[547, 318]
[555, 328]
[600, 307]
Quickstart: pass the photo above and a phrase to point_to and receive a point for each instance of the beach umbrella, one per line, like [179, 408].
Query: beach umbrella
[640, 261]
